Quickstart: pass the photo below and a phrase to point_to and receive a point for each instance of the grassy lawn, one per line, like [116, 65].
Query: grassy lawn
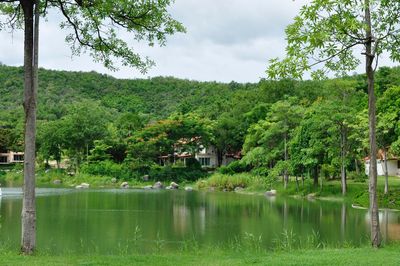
[348, 256]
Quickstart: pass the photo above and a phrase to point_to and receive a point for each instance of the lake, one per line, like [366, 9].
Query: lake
[113, 221]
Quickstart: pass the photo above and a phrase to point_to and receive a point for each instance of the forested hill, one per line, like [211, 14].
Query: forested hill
[158, 97]
[232, 107]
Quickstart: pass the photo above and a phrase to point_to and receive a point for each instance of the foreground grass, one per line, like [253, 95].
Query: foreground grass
[347, 256]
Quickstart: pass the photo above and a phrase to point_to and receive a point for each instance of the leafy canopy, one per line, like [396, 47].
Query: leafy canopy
[98, 26]
[332, 32]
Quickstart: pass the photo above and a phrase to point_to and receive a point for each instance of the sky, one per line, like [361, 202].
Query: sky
[226, 40]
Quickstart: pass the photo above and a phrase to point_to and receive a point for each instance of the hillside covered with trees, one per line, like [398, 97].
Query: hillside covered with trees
[119, 128]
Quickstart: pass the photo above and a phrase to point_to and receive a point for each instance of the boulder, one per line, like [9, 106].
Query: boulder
[238, 189]
[169, 188]
[158, 185]
[174, 185]
[188, 189]
[270, 193]
[113, 180]
[124, 185]
[148, 187]
[82, 186]
[57, 182]
[311, 196]
[145, 178]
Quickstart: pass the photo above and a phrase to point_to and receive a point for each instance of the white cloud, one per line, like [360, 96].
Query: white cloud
[226, 40]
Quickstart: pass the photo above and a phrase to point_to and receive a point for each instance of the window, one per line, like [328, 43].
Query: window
[205, 161]
[3, 159]
[18, 158]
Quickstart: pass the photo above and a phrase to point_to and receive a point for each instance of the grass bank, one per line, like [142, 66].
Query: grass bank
[60, 178]
[357, 190]
[345, 256]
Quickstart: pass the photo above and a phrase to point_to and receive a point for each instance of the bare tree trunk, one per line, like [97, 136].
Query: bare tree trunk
[28, 215]
[285, 173]
[343, 155]
[357, 168]
[386, 172]
[315, 176]
[373, 200]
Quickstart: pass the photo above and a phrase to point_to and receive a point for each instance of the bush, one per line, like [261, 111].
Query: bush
[226, 182]
[171, 173]
[233, 168]
[14, 178]
[361, 177]
[108, 168]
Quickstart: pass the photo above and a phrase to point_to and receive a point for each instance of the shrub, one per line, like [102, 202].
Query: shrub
[361, 177]
[168, 173]
[107, 168]
[234, 167]
[226, 182]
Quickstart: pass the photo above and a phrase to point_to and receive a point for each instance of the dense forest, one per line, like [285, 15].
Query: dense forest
[115, 127]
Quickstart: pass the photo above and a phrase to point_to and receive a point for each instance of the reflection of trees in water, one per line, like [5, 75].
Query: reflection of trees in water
[390, 224]
[390, 227]
[0, 211]
[343, 223]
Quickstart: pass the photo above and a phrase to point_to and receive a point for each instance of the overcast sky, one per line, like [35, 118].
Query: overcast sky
[226, 40]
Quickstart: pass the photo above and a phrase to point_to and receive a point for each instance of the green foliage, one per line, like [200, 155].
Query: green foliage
[177, 174]
[107, 168]
[327, 32]
[360, 177]
[133, 122]
[225, 182]
[234, 168]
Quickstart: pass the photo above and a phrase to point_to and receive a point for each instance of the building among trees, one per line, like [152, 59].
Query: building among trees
[393, 164]
[11, 157]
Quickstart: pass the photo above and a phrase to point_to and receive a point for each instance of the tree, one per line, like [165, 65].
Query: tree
[388, 125]
[179, 134]
[94, 29]
[327, 32]
[341, 108]
[50, 138]
[274, 132]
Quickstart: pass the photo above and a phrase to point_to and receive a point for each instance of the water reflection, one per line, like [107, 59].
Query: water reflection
[108, 219]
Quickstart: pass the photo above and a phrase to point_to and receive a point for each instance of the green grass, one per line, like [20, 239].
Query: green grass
[357, 191]
[347, 256]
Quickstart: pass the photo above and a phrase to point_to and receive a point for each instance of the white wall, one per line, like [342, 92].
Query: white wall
[391, 164]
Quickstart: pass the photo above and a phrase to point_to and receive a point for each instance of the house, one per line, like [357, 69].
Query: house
[393, 164]
[11, 157]
[206, 156]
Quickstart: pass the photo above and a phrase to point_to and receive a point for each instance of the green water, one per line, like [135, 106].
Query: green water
[117, 221]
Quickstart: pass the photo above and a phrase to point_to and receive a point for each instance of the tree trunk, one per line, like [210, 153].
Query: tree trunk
[343, 155]
[356, 165]
[285, 173]
[28, 215]
[386, 172]
[315, 176]
[219, 157]
[373, 200]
